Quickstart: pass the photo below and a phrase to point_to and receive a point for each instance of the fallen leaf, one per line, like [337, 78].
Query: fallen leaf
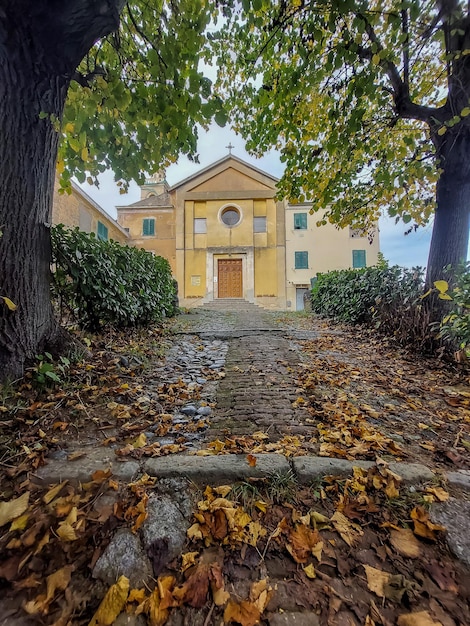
[302, 542]
[246, 613]
[157, 615]
[53, 492]
[112, 604]
[349, 532]
[310, 571]
[20, 523]
[405, 542]
[58, 580]
[440, 494]
[251, 460]
[422, 618]
[12, 509]
[376, 580]
[423, 527]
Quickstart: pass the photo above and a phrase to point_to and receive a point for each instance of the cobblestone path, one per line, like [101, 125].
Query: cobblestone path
[258, 390]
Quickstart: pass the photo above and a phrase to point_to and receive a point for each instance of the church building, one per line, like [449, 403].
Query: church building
[226, 236]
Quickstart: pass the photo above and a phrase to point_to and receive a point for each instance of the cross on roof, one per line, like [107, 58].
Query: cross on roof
[230, 148]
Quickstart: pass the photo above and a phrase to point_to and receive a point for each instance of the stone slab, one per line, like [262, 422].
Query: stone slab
[124, 556]
[216, 469]
[455, 516]
[294, 619]
[311, 468]
[459, 479]
[81, 470]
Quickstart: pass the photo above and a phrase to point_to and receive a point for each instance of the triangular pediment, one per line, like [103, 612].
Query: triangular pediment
[228, 174]
[230, 180]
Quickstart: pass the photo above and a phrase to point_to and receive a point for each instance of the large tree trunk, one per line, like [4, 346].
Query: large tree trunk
[41, 44]
[450, 233]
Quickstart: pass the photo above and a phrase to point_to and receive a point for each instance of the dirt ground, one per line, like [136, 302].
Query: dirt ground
[358, 552]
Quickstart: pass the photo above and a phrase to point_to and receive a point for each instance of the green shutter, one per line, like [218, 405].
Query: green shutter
[102, 232]
[300, 221]
[301, 260]
[148, 228]
[359, 258]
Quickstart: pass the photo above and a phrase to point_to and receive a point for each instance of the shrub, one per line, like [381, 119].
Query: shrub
[103, 283]
[455, 326]
[386, 298]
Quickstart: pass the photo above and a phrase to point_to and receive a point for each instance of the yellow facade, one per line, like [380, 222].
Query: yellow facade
[77, 209]
[311, 249]
[228, 240]
[226, 236]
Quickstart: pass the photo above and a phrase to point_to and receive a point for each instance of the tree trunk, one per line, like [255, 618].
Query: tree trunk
[41, 45]
[450, 233]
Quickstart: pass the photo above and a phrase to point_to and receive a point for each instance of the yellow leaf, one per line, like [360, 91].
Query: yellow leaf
[261, 505]
[58, 580]
[194, 532]
[310, 571]
[440, 493]
[11, 305]
[112, 604]
[422, 618]
[464, 112]
[60, 166]
[13, 509]
[245, 613]
[20, 522]
[405, 542]
[223, 490]
[188, 560]
[137, 595]
[84, 154]
[442, 130]
[376, 580]
[375, 59]
[157, 615]
[53, 492]
[140, 442]
[444, 296]
[69, 127]
[66, 532]
[441, 285]
[220, 596]
[349, 532]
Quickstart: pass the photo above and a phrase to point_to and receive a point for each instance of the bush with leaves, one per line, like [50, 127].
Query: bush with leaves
[455, 326]
[386, 298]
[104, 283]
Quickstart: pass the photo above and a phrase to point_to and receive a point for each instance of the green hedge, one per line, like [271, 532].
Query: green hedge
[104, 283]
[386, 298]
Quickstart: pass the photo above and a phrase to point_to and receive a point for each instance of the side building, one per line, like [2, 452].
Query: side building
[77, 209]
[311, 249]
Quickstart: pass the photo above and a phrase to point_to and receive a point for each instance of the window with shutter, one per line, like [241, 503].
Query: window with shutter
[148, 227]
[359, 258]
[300, 221]
[301, 260]
[102, 231]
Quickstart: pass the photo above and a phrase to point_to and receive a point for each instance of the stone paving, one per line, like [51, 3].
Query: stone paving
[255, 359]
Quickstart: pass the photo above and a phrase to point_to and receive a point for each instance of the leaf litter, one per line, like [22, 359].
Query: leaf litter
[360, 551]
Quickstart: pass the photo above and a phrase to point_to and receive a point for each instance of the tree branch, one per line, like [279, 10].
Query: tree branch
[404, 106]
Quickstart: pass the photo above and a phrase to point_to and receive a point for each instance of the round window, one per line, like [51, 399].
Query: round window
[230, 216]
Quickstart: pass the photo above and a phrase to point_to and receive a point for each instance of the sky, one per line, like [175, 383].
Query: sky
[399, 249]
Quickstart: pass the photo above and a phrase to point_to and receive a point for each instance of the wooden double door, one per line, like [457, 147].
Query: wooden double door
[230, 278]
